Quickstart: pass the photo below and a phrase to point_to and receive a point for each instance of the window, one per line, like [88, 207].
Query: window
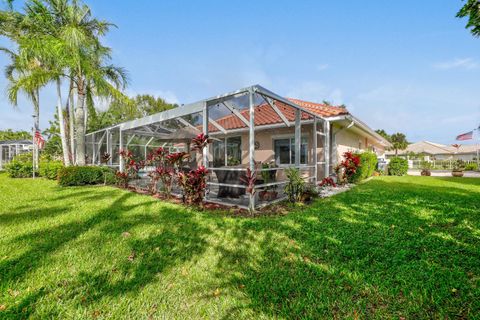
[227, 152]
[285, 151]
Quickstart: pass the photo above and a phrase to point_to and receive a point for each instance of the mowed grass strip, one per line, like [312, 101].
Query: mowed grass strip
[394, 247]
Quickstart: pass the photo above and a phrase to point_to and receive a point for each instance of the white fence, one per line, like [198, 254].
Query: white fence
[437, 164]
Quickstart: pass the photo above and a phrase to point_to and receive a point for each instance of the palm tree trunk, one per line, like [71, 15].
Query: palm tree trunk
[65, 151]
[36, 115]
[71, 118]
[80, 126]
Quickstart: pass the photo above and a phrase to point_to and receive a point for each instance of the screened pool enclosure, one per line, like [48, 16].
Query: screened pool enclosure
[250, 128]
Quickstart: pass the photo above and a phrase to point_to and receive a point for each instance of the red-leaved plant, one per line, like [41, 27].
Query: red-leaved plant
[132, 167]
[200, 142]
[166, 177]
[249, 179]
[176, 159]
[157, 157]
[349, 166]
[194, 184]
[327, 182]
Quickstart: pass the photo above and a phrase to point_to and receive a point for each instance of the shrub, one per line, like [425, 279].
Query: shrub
[472, 166]
[19, 169]
[368, 164]
[49, 169]
[347, 169]
[83, 175]
[295, 185]
[193, 184]
[397, 167]
[327, 182]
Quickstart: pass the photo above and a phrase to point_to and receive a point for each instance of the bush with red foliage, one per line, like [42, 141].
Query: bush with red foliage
[122, 178]
[132, 167]
[176, 159]
[165, 175]
[194, 185]
[200, 142]
[157, 157]
[348, 167]
[327, 182]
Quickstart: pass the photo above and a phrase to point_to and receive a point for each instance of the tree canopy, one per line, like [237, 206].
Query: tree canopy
[398, 140]
[471, 9]
[127, 109]
[10, 134]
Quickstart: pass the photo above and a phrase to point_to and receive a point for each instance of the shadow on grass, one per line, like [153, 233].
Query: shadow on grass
[381, 250]
[180, 239]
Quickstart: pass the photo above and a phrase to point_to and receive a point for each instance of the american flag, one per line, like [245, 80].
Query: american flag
[38, 139]
[465, 136]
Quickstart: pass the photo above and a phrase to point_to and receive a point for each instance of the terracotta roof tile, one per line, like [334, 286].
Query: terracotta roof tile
[265, 115]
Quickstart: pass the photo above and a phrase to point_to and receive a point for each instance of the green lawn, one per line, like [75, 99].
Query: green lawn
[393, 247]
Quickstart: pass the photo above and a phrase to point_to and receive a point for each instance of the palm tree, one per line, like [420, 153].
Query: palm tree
[85, 58]
[68, 38]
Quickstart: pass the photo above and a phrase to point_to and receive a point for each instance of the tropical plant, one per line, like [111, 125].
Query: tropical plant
[132, 166]
[398, 141]
[194, 185]
[177, 158]
[347, 169]
[295, 185]
[200, 142]
[327, 182]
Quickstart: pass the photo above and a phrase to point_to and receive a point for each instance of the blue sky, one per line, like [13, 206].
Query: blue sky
[407, 66]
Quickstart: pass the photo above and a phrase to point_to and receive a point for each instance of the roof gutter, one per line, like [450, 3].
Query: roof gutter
[361, 125]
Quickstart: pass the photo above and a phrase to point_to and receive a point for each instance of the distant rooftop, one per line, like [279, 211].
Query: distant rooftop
[21, 141]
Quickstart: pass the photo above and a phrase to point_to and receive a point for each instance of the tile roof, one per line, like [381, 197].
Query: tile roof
[432, 148]
[265, 115]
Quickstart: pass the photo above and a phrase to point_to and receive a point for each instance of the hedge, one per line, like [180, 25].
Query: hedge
[368, 164]
[472, 166]
[83, 175]
[49, 169]
[19, 169]
[397, 167]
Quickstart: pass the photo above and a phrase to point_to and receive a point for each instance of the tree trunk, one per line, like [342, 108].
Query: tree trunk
[65, 151]
[71, 119]
[36, 125]
[80, 127]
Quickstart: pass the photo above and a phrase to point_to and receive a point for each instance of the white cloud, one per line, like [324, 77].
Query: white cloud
[465, 63]
[321, 67]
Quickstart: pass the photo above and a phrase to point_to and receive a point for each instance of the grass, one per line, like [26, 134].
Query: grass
[394, 247]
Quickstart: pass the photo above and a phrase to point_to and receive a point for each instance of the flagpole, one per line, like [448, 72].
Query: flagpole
[33, 151]
[478, 147]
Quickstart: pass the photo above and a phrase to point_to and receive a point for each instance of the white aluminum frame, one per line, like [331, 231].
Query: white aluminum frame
[142, 126]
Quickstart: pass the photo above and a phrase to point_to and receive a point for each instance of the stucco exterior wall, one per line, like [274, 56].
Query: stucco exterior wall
[344, 140]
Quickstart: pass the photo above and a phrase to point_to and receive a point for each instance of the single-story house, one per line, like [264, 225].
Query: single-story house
[436, 151]
[276, 144]
[11, 148]
[249, 126]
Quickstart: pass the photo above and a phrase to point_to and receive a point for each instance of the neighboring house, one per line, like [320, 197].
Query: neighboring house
[11, 148]
[437, 151]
